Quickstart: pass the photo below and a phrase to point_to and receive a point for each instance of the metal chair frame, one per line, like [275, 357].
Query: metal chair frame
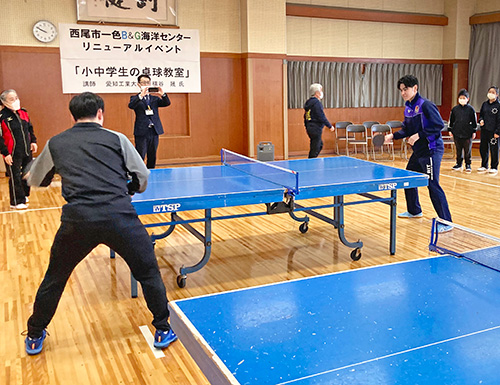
[382, 129]
[357, 129]
[340, 126]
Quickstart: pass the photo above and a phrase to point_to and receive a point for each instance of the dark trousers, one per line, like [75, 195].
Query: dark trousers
[429, 165]
[316, 144]
[146, 146]
[463, 145]
[485, 146]
[18, 187]
[124, 234]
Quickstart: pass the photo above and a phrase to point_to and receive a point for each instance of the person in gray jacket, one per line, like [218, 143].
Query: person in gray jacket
[100, 170]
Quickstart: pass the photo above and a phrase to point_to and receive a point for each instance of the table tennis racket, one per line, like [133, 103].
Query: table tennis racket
[378, 140]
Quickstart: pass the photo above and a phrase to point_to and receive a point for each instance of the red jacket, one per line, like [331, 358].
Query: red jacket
[15, 125]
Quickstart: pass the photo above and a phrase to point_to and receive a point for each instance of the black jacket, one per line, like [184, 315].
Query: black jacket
[95, 165]
[490, 113]
[314, 114]
[462, 122]
[142, 121]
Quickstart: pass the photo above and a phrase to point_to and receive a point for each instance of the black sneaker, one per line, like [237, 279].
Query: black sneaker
[468, 169]
[457, 167]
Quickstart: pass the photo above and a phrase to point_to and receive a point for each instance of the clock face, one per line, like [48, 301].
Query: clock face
[44, 31]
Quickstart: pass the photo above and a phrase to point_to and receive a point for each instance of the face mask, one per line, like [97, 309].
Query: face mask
[321, 94]
[462, 102]
[14, 106]
[491, 96]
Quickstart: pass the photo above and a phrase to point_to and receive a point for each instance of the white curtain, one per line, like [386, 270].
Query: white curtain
[345, 85]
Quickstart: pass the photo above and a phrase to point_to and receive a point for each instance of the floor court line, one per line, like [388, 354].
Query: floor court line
[148, 336]
[471, 180]
[390, 355]
[30, 210]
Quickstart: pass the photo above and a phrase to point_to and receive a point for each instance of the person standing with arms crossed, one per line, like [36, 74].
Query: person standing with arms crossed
[315, 119]
[422, 126]
[99, 170]
[147, 126]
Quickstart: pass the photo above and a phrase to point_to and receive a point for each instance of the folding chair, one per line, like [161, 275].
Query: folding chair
[357, 134]
[340, 126]
[368, 126]
[382, 129]
[396, 125]
[448, 140]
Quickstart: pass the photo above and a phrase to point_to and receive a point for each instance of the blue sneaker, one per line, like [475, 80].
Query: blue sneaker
[35, 345]
[406, 214]
[163, 338]
[443, 228]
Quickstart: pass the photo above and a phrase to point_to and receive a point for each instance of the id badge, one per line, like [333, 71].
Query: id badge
[149, 112]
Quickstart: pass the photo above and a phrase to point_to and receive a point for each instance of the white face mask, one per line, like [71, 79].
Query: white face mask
[14, 106]
[321, 94]
[463, 102]
[491, 96]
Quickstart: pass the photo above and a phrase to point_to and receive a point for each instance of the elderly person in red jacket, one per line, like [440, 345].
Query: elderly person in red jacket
[17, 144]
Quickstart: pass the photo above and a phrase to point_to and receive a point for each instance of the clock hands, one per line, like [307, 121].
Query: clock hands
[41, 30]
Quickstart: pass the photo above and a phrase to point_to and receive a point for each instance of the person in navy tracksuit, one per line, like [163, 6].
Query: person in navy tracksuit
[422, 127]
[147, 126]
[315, 119]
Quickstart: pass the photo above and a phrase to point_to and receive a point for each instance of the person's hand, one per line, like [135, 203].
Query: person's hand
[34, 147]
[8, 160]
[388, 138]
[144, 92]
[451, 134]
[473, 136]
[481, 122]
[332, 128]
[412, 139]
[159, 93]
[496, 135]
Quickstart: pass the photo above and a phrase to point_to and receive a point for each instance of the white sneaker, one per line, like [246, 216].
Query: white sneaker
[492, 171]
[27, 200]
[20, 206]
[482, 169]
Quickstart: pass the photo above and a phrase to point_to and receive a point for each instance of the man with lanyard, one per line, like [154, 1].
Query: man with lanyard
[422, 126]
[147, 126]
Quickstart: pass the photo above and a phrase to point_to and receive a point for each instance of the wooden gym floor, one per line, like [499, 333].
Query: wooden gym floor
[95, 336]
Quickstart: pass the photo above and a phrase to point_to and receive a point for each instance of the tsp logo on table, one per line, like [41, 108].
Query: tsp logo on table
[166, 208]
[387, 186]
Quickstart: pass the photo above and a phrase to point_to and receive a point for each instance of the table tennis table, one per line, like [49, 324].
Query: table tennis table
[429, 321]
[279, 185]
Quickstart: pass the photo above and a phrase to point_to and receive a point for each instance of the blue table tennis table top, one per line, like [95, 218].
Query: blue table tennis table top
[192, 188]
[428, 321]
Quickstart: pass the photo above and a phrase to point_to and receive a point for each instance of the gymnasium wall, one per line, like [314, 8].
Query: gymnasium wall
[243, 45]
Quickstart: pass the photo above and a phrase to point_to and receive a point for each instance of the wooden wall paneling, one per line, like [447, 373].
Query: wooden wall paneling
[217, 113]
[447, 98]
[268, 103]
[339, 13]
[36, 77]
[299, 141]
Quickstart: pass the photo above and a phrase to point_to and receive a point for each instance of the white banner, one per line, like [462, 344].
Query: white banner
[108, 59]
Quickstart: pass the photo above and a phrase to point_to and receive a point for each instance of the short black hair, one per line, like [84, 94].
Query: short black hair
[495, 88]
[408, 81]
[463, 92]
[143, 76]
[85, 105]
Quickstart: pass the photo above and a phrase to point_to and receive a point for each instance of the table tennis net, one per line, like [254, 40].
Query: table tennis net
[466, 243]
[266, 171]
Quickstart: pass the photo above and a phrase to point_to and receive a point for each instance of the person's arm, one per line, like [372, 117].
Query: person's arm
[42, 171]
[435, 122]
[320, 113]
[473, 118]
[451, 121]
[135, 166]
[163, 101]
[134, 101]
[497, 125]
[3, 148]
[481, 114]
